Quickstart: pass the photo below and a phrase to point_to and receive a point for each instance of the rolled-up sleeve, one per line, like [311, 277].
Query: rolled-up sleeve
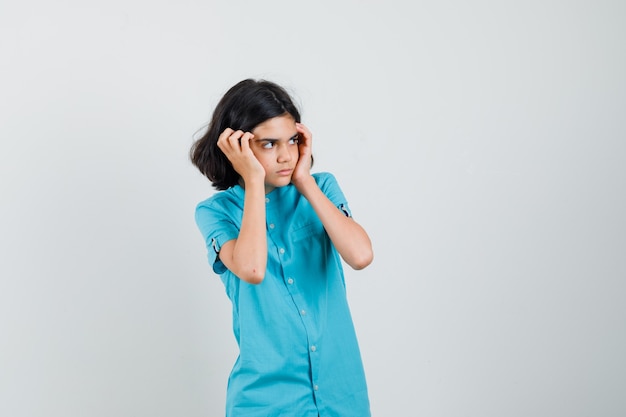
[216, 229]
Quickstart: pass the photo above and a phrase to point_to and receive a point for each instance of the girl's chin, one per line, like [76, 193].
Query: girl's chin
[281, 181]
[278, 182]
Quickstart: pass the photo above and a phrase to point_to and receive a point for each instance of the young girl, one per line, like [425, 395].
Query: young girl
[276, 235]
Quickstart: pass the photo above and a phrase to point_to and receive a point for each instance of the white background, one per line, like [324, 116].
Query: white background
[482, 144]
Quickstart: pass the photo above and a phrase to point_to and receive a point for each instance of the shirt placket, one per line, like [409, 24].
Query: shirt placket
[301, 307]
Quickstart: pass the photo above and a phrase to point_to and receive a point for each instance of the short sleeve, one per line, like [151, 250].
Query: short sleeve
[330, 187]
[216, 228]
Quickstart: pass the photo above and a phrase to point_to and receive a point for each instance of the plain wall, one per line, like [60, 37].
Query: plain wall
[482, 144]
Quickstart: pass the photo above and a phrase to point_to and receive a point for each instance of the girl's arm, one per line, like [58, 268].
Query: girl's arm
[349, 238]
[246, 256]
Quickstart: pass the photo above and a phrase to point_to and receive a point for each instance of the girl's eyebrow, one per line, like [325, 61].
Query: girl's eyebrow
[275, 140]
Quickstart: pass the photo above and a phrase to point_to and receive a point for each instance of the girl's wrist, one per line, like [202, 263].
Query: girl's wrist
[253, 182]
[305, 183]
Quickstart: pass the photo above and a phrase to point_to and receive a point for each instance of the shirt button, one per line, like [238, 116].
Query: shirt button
[281, 250]
[303, 312]
[315, 387]
[271, 225]
[313, 348]
[290, 281]
[267, 200]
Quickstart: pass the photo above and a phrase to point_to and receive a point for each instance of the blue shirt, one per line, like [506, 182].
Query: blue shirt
[298, 351]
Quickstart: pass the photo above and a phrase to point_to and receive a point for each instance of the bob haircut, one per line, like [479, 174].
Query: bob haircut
[244, 106]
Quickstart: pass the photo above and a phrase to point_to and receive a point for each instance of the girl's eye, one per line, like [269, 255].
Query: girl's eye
[268, 145]
[294, 141]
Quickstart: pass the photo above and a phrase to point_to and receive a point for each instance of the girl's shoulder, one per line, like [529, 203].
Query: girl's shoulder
[233, 195]
[326, 181]
[324, 178]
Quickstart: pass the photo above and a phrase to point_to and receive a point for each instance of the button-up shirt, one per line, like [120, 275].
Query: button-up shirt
[298, 351]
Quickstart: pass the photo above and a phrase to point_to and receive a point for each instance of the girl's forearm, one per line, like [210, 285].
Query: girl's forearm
[349, 238]
[250, 251]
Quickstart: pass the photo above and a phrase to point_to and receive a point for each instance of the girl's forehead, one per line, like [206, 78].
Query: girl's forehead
[276, 126]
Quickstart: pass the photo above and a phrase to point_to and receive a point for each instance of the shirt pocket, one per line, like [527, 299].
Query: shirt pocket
[306, 231]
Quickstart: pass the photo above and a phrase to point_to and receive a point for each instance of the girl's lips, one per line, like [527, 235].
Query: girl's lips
[285, 172]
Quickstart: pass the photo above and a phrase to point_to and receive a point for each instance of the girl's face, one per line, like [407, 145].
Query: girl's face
[275, 145]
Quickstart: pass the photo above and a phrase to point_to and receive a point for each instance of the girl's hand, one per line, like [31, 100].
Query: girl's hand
[236, 147]
[302, 171]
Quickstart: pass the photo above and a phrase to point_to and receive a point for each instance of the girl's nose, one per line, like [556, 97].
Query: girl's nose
[283, 154]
